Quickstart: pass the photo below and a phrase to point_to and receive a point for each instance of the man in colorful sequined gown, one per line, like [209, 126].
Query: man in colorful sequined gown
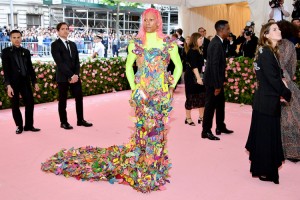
[143, 163]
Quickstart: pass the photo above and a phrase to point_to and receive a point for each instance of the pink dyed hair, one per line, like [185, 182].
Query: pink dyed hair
[142, 32]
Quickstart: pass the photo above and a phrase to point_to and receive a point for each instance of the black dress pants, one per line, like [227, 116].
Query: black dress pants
[76, 91]
[23, 88]
[213, 103]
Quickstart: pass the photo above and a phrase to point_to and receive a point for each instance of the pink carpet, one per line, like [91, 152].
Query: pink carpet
[202, 169]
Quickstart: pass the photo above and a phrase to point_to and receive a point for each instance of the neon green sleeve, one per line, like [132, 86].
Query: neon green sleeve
[129, 65]
[177, 62]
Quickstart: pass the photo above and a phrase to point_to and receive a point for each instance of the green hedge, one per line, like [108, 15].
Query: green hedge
[107, 75]
[98, 76]
[241, 80]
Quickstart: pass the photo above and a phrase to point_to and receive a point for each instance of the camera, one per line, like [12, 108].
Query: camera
[231, 34]
[247, 31]
[274, 3]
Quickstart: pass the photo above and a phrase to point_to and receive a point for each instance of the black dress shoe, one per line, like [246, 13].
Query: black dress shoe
[31, 129]
[262, 178]
[200, 119]
[209, 136]
[19, 130]
[84, 123]
[223, 130]
[66, 126]
[189, 123]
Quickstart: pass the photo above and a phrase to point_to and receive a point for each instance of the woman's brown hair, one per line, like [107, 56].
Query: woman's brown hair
[186, 45]
[264, 41]
[193, 42]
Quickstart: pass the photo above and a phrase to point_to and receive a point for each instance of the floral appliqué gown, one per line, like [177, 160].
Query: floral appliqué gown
[142, 163]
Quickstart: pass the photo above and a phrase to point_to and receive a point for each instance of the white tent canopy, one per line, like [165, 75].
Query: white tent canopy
[191, 15]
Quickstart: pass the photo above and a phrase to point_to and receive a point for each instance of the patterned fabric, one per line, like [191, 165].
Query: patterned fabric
[290, 115]
[142, 163]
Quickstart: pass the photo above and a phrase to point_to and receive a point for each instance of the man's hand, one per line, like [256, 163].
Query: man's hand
[10, 91]
[217, 91]
[74, 79]
[36, 87]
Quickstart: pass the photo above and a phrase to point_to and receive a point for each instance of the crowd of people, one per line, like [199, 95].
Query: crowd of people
[275, 128]
[143, 162]
[38, 40]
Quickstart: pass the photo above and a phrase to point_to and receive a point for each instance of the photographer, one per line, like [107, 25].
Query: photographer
[230, 46]
[278, 12]
[248, 41]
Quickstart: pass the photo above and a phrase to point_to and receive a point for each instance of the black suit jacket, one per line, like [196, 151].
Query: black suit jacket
[204, 47]
[270, 85]
[247, 49]
[214, 74]
[66, 66]
[12, 68]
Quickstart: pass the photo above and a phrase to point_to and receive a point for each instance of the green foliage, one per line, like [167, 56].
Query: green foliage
[115, 2]
[97, 76]
[108, 75]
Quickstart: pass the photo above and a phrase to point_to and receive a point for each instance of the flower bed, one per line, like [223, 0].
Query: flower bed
[107, 75]
[98, 76]
[241, 81]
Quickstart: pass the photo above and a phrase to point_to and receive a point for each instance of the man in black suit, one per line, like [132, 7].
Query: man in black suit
[205, 43]
[214, 77]
[65, 55]
[181, 39]
[18, 73]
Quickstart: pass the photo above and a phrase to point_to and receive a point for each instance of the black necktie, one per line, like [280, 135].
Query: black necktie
[20, 59]
[68, 47]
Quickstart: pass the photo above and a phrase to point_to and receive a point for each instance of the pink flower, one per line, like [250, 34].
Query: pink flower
[0, 103]
[41, 76]
[122, 75]
[237, 64]
[231, 87]
[246, 61]
[231, 60]
[2, 72]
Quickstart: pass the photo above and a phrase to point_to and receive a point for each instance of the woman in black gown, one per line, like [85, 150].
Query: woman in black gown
[194, 88]
[264, 140]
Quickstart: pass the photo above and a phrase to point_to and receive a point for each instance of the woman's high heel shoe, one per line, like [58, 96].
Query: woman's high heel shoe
[200, 119]
[189, 123]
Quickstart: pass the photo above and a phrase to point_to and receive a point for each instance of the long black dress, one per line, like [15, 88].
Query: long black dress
[195, 93]
[264, 140]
